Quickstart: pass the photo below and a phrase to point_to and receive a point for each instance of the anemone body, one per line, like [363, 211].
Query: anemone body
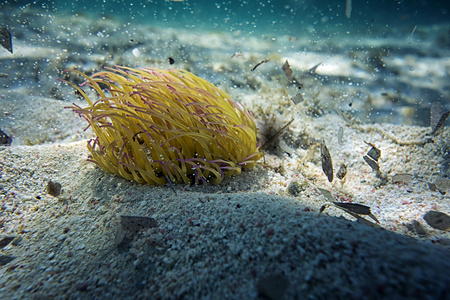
[154, 125]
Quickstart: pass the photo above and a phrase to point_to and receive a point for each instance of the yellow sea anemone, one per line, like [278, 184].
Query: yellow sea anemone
[154, 125]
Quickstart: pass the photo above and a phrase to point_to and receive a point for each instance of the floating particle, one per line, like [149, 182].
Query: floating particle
[437, 117]
[258, 64]
[297, 98]
[171, 185]
[327, 194]
[322, 208]
[437, 220]
[348, 117]
[136, 224]
[136, 52]
[5, 139]
[327, 164]
[237, 54]
[342, 171]
[355, 210]
[287, 70]
[348, 9]
[340, 135]
[372, 157]
[411, 35]
[313, 69]
[53, 188]
[275, 136]
[4, 241]
[285, 147]
[373, 164]
[374, 152]
[402, 178]
[436, 111]
[272, 287]
[441, 122]
[171, 60]
[354, 207]
[5, 39]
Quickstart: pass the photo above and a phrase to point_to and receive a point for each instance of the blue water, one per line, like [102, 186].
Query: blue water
[367, 36]
[291, 17]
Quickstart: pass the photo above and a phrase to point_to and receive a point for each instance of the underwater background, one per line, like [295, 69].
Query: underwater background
[350, 200]
[386, 54]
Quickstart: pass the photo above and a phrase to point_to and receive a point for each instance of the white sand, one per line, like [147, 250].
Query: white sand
[218, 242]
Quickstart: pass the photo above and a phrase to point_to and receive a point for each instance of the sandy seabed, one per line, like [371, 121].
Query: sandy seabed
[255, 234]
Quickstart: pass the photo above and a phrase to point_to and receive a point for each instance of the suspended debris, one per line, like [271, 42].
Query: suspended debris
[274, 137]
[53, 188]
[297, 98]
[5, 139]
[327, 164]
[371, 158]
[237, 54]
[354, 207]
[342, 171]
[327, 194]
[348, 117]
[374, 152]
[348, 9]
[258, 64]
[171, 185]
[5, 39]
[312, 71]
[411, 35]
[355, 210]
[402, 178]
[437, 220]
[371, 163]
[437, 117]
[287, 70]
[340, 135]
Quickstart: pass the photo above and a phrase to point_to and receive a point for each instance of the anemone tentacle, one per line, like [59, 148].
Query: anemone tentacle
[154, 125]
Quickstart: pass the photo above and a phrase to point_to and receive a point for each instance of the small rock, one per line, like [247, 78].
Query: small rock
[295, 188]
[53, 188]
[437, 220]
